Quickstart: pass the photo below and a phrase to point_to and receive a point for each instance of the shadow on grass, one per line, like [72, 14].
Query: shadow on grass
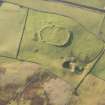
[1, 2]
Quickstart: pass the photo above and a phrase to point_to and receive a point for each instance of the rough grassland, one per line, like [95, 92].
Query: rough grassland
[99, 69]
[11, 26]
[93, 3]
[90, 20]
[47, 54]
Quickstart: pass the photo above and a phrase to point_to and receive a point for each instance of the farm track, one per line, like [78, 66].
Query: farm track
[78, 5]
[74, 5]
[97, 58]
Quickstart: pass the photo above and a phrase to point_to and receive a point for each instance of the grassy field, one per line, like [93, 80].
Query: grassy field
[88, 19]
[14, 76]
[79, 30]
[63, 37]
[13, 73]
[93, 3]
[51, 39]
[11, 25]
[44, 53]
[99, 69]
[90, 92]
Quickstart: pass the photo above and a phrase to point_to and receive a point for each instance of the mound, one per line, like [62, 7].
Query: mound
[53, 35]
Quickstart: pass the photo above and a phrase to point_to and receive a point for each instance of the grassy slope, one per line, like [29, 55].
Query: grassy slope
[93, 3]
[99, 69]
[82, 40]
[91, 22]
[15, 70]
[53, 56]
[91, 92]
[14, 73]
[17, 73]
[84, 17]
[11, 25]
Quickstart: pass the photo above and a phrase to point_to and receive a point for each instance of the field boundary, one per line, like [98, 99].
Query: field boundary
[67, 3]
[24, 27]
[21, 39]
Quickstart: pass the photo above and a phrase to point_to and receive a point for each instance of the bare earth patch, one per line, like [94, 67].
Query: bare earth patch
[59, 92]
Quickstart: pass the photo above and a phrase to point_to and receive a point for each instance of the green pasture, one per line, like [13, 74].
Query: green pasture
[11, 25]
[82, 44]
[99, 69]
[14, 73]
[93, 3]
[50, 39]
[90, 20]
